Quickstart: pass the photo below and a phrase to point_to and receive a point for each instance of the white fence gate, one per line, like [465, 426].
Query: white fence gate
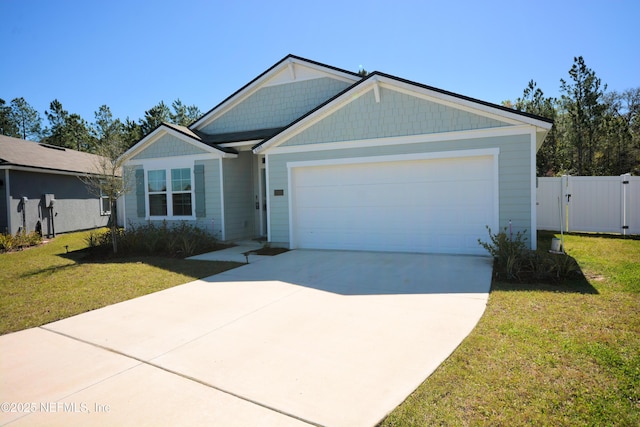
[602, 204]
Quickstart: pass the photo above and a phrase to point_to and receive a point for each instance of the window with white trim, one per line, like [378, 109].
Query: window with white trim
[105, 202]
[170, 192]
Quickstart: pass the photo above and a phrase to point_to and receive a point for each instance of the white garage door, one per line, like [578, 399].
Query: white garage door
[436, 205]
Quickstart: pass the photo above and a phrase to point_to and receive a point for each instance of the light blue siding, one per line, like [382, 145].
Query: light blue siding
[276, 106]
[213, 202]
[168, 146]
[397, 114]
[212, 222]
[131, 198]
[514, 176]
[239, 205]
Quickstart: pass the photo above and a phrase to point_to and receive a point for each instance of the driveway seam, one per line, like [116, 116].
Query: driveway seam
[179, 374]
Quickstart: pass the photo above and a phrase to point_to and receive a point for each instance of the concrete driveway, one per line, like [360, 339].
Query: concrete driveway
[321, 338]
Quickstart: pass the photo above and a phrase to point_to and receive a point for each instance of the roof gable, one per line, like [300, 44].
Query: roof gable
[173, 140]
[290, 70]
[415, 116]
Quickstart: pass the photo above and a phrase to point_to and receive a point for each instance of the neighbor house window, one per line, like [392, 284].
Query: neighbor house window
[173, 197]
[105, 205]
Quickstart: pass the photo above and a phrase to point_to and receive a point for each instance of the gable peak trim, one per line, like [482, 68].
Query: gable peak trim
[183, 134]
[288, 62]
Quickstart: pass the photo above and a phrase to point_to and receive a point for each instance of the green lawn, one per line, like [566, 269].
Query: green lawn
[547, 355]
[541, 354]
[43, 284]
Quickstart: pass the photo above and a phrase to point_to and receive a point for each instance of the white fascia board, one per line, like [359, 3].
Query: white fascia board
[290, 67]
[408, 139]
[164, 130]
[541, 134]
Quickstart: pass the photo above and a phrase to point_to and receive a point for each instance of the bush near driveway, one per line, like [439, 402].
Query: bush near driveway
[515, 262]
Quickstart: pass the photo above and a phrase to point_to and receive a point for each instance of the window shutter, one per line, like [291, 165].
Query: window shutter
[198, 172]
[140, 192]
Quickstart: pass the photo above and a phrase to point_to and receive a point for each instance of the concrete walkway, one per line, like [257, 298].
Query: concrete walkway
[304, 338]
[241, 252]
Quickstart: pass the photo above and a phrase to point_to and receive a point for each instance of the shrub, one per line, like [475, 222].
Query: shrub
[179, 240]
[20, 240]
[515, 262]
[508, 253]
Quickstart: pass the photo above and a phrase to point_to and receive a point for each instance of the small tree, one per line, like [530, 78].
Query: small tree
[109, 179]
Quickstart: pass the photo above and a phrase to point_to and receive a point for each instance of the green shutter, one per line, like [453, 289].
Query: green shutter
[140, 192]
[198, 171]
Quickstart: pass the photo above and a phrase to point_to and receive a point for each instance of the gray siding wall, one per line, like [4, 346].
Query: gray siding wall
[4, 224]
[397, 114]
[239, 203]
[168, 146]
[212, 222]
[514, 176]
[275, 106]
[75, 207]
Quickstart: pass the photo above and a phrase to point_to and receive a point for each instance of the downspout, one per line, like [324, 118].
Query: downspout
[53, 226]
[24, 214]
[8, 200]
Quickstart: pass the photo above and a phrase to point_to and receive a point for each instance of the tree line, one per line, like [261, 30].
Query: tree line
[595, 132]
[20, 120]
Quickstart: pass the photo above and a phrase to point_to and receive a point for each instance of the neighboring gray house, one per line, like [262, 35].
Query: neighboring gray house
[312, 156]
[33, 175]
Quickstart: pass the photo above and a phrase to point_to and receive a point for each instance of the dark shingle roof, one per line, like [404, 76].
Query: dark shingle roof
[200, 137]
[248, 135]
[18, 152]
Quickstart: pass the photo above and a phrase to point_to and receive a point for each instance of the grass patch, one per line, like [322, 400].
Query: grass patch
[45, 283]
[563, 354]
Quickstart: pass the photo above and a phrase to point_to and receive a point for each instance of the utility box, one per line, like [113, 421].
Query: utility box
[49, 200]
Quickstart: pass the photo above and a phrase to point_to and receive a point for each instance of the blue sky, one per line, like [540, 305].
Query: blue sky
[132, 54]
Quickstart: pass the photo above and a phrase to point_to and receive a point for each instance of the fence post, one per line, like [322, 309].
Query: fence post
[565, 200]
[626, 190]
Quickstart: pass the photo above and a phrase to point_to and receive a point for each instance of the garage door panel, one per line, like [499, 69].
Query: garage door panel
[438, 205]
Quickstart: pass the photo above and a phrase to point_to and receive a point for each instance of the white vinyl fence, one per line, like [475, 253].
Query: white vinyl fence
[602, 204]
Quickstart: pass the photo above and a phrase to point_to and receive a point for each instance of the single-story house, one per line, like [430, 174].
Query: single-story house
[40, 189]
[308, 155]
